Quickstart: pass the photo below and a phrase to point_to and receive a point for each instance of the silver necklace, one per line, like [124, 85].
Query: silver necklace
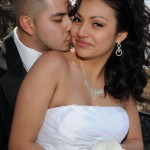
[94, 93]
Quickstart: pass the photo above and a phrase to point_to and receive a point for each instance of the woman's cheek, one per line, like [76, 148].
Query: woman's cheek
[74, 30]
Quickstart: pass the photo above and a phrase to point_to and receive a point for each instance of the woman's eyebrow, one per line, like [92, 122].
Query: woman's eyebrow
[92, 17]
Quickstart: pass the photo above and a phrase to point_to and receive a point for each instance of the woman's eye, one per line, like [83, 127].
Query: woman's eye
[76, 19]
[97, 24]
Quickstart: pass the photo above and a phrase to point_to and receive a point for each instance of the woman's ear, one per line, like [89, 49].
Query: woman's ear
[121, 36]
[26, 24]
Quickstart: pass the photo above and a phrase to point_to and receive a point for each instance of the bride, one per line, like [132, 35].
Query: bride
[74, 100]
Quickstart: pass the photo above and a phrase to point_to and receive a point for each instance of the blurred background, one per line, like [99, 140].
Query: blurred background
[7, 19]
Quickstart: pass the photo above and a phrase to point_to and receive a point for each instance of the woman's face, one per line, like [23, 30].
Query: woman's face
[94, 29]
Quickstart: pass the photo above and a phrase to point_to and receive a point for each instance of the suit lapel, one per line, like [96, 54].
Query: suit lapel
[12, 79]
[11, 83]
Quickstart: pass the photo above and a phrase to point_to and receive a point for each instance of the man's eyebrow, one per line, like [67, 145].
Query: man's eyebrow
[59, 14]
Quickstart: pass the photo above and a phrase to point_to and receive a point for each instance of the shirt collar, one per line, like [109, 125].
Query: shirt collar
[28, 55]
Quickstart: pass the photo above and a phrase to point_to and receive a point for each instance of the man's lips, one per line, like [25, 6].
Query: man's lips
[68, 38]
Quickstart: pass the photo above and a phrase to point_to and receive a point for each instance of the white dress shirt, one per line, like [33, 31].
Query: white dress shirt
[28, 55]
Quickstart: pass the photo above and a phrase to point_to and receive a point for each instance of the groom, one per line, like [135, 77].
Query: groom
[42, 25]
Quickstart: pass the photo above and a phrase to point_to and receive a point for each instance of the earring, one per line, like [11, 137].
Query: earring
[118, 51]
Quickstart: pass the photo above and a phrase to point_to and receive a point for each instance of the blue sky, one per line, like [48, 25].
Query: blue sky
[147, 2]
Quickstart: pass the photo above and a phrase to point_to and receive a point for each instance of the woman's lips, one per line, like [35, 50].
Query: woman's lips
[83, 43]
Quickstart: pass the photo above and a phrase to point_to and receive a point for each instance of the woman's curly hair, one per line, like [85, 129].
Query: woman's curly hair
[126, 75]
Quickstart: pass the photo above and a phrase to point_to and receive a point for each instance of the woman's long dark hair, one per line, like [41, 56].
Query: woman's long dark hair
[125, 76]
[73, 7]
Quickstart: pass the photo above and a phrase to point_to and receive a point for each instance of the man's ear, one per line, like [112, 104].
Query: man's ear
[26, 24]
[121, 36]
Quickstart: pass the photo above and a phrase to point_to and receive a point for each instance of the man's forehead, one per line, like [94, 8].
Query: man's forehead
[57, 3]
[58, 7]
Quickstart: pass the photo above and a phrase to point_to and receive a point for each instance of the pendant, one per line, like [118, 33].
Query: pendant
[94, 93]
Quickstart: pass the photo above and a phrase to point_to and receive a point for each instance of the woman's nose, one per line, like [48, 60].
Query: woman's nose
[83, 30]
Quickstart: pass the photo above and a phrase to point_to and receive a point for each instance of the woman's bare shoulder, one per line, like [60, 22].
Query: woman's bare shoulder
[53, 61]
[53, 56]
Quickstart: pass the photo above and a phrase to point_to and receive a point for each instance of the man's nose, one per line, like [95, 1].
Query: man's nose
[68, 24]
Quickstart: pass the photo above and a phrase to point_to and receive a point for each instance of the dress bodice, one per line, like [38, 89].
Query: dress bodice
[77, 127]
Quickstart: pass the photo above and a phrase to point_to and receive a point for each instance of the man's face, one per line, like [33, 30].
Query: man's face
[52, 26]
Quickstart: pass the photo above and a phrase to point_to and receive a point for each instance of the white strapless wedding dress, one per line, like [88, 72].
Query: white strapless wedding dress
[77, 127]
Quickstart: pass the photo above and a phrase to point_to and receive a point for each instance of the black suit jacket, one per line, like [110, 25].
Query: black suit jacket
[12, 73]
